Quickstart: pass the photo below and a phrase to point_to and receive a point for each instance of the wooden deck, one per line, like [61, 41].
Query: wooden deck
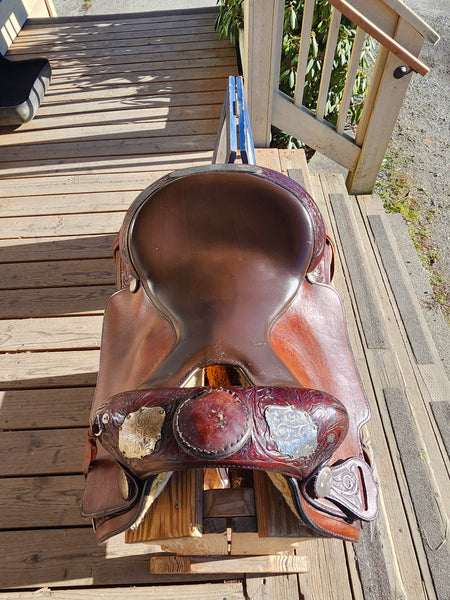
[132, 99]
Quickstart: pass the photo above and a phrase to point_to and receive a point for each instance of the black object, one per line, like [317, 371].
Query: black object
[402, 71]
[23, 84]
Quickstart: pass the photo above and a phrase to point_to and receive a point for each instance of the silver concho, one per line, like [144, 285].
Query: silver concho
[292, 430]
[140, 431]
[323, 482]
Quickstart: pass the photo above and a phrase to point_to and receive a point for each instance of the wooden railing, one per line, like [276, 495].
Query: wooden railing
[400, 35]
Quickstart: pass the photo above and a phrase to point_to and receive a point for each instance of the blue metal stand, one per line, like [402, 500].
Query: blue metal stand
[234, 127]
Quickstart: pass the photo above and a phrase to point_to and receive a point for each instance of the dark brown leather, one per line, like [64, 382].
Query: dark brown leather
[228, 266]
[288, 430]
[220, 254]
[115, 491]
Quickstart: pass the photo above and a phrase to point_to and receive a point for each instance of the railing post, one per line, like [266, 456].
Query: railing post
[261, 51]
[381, 115]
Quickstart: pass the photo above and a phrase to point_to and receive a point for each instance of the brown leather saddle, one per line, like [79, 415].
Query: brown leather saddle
[225, 347]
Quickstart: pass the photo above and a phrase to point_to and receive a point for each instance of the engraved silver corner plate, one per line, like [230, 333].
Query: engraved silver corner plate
[292, 430]
[140, 431]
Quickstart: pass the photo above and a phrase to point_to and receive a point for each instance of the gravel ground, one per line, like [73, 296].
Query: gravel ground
[75, 8]
[420, 142]
[421, 139]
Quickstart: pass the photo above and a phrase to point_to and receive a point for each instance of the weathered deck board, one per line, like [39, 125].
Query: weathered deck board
[206, 591]
[42, 452]
[142, 56]
[118, 131]
[60, 408]
[47, 248]
[44, 500]
[86, 183]
[102, 135]
[84, 28]
[50, 302]
[119, 114]
[49, 369]
[182, 63]
[69, 225]
[172, 38]
[108, 147]
[50, 333]
[399, 553]
[69, 557]
[121, 31]
[118, 165]
[58, 273]
[142, 50]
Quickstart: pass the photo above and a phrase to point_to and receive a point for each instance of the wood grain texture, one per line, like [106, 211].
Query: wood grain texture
[207, 591]
[42, 452]
[57, 273]
[47, 248]
[61, 408]
[49, 369]
[48, 501]
[176, 513]
[140, 130]
[155, 49]
[241, 564]
[50, 333]
[69, 557]
[230, 502]
[396, 530]
[47, 302]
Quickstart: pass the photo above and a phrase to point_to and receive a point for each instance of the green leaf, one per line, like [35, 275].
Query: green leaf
[315, 46]
[293, 18]
[309, 65]
[292, 79]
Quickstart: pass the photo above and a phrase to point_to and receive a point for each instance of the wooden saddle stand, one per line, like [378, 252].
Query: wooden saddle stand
[228, 408]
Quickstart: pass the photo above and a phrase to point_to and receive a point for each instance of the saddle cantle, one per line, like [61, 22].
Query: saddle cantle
[225, 269]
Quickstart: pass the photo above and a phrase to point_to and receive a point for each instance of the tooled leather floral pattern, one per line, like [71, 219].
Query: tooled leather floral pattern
[259, 452]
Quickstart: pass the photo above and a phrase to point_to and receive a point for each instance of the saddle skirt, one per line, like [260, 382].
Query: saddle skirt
[226, 347]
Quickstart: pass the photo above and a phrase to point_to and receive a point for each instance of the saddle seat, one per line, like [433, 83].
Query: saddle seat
[226, 266]
[220, 254]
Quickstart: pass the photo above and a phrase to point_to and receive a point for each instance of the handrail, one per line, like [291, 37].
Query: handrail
[373, 30]
[400, 42]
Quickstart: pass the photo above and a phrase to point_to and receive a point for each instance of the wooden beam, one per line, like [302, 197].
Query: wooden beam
[388, 42]
[328, 60]
[385, 13]
[238, 564]
[229, 502]
[305, 41]
[190, 591]
[262, 46]
[382, 115]
[321, 136]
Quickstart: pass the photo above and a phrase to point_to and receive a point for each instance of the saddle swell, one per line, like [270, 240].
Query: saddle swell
[226, 266]
[291, 431]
